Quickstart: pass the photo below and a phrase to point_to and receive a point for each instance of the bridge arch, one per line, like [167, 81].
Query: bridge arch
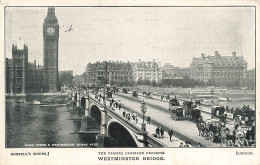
[121, 134]
[95, 112]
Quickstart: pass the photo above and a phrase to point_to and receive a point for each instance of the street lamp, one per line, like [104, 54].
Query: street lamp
[143, 110]
[212, 93]
[94, 78]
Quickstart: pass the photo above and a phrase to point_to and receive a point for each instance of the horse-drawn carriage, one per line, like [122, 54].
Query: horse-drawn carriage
[124, 90]
[191, 111]
[176, 112]
[135, 94]
[109, 94]
[175, 109]
[165, 97]
[211, 129]
[218, 112]
[114, 89]
[148, 94]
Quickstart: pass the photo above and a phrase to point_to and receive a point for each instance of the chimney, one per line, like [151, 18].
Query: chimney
[234, 54]
[202, 56]
[216, 53]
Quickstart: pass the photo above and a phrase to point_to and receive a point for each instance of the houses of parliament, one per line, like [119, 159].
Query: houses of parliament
[24, 77]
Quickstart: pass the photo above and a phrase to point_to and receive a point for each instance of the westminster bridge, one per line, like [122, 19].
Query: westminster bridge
[109, 122]
[97, 117]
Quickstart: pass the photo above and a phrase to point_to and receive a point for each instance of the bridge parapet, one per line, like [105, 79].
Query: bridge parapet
[134, 128]
[141, 136]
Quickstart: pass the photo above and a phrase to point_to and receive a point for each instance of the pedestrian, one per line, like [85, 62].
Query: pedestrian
[170, 132]
[116, 105]
[133, 115]
[148, 120]
[232, 110]
[128, 117]
[110, 104]
[113, 104]
[119, 106]
[181, 145]
[136, 120]
[157, 131]
[162, 132]
[100, 95]
[159, 134]
[199, 145]
[124, 114]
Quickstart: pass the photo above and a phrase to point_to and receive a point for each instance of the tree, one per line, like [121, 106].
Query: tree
[147, 82]
[139, 82]
[154, 84]
[66, 78]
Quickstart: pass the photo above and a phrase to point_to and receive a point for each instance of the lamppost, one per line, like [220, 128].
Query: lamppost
[143, 110]
[94, 79]
[212, 93]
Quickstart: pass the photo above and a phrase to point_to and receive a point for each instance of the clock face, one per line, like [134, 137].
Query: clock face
[51, 31]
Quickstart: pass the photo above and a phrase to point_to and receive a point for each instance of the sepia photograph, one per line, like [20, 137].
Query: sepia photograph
[79, 78]
[179, 78]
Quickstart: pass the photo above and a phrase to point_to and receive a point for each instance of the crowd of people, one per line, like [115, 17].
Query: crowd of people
[159, 132]
[232, 110]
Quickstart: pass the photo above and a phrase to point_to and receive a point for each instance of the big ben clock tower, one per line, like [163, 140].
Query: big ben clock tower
[51, 44]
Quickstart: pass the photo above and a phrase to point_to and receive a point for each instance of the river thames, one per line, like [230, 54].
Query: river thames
[35, 125]
[30, 125]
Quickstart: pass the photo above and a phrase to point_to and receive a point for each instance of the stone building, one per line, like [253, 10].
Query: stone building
[109, 72]
[151, 71]
[21, 76]
[218, 69]
[172, 72]
[51, 42]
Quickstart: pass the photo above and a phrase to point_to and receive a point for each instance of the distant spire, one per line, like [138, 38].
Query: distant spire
[51, 10]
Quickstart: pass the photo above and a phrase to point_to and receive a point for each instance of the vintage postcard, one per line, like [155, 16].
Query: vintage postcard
[157, 83]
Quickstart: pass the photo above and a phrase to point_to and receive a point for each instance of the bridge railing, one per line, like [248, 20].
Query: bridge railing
[150, 139]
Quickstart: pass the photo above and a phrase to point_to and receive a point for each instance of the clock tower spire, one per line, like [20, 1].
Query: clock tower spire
[51, 44]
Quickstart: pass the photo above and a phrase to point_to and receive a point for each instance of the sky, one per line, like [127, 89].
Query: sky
[167, 34]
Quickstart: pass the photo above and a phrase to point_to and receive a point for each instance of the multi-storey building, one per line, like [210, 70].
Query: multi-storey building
[218, 68]
[109, 72]
[172, 72]
[151, 71]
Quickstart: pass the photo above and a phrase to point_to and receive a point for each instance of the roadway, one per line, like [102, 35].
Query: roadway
[158, 111]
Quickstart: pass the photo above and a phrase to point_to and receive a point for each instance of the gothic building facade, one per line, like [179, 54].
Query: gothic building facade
[24, 77]
[50, 42]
